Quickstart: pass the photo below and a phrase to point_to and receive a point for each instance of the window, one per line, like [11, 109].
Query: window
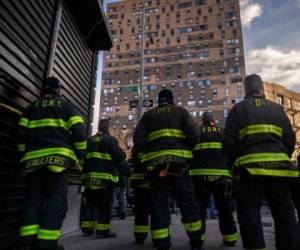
[227, 91]
[184, 5]
[280, 99]
[191, 103]
[289, 102]
[225, 113]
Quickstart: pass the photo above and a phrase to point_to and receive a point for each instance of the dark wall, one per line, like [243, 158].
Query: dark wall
[27, 52]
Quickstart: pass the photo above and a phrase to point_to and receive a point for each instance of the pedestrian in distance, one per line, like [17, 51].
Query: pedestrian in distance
[259, 142]
[52, 139]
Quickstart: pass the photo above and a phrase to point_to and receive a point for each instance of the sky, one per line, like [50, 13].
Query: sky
[271, 34]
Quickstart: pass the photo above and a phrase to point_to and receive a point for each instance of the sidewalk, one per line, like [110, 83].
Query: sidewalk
[125, 240]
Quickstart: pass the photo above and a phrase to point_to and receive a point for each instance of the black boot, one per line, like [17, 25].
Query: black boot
[139, 241]
[229, 243]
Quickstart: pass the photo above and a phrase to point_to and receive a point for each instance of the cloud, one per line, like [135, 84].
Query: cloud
[298, 2]
[275, 65]
[249, 11]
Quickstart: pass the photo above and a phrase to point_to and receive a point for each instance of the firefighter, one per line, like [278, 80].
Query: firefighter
[210, 173]
[166, 134]
[259, 141]
[99, 176]
[52, 139]
[140, 183]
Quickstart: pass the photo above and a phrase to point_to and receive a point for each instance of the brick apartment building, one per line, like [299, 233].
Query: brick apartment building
[193, 47]
[290, 100]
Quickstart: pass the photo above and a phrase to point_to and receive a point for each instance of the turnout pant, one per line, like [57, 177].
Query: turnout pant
[96, 212]
[295, 191]
[44, 209]
[182, 189]
[142, 213]
[249, 194]
[223, 203]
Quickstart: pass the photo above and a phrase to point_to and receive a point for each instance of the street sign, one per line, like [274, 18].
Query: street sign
[146, 104]
[128, 89]
[134, 104]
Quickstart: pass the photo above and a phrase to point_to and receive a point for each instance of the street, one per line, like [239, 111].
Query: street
[125, 240]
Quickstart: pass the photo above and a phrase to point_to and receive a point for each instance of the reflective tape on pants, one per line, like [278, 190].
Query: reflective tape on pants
[29, 230]
[160, 233]
[141, 228]
[192, 227]
[103, 227]
[87, 224]
[230, 237]
[47, 234]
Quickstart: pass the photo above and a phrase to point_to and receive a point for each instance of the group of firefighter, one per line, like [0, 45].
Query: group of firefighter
[249, 161]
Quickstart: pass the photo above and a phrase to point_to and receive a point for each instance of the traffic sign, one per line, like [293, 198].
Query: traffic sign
[134, 104]
[128, 89]
[146, 104]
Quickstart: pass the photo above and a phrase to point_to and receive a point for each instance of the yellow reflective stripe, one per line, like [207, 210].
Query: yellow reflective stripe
[29, 230]
[49, 151]
[94, 187]
[203, 237]
[23, 122]
[261, 157]
[273, 172]
[137, 176]
[103, 226]
[141, 228]
[160, 233]
[80, 145]
[56, 169]
[99, 155]
[47, 234]
[140, 156]
[208, 145]
[260, 128]
[176, 152]
[192, 227]
[74, 120]
[87, 224]
[230, 237]
[105, 176]
[202, 171]
[48, 122]
[10, 109]
[165, 133]
[21, 147]
[144, 185]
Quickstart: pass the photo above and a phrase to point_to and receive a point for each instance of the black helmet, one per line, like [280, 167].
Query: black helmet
[253, 85]
[165, 95]
[207, 117]
[104, 126]
[51, 83]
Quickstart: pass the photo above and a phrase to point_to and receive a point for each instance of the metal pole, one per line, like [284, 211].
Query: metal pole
[140, 107]
[54, 38]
